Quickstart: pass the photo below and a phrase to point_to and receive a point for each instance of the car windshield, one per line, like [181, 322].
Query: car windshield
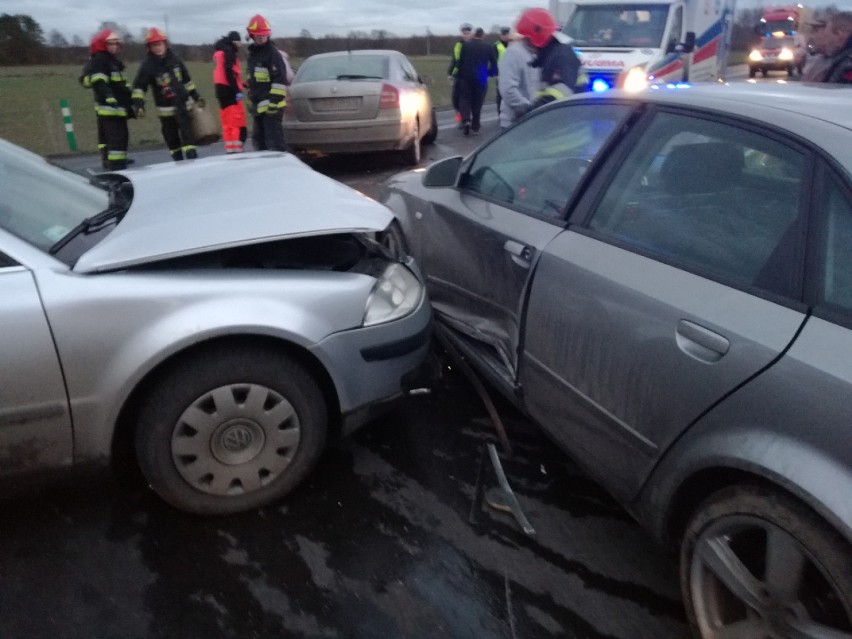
[40, 203]
[618, 25]
[344, 67]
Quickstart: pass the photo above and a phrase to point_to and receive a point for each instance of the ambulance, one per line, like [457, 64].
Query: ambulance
[631, 44]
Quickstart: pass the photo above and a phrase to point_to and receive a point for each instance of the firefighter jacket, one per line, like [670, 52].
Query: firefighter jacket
[267, 78]
[110, 85]
[560, 70]
[173, 90]
[227, 75]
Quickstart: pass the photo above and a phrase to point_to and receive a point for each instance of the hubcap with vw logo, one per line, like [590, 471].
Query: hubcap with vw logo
[235, 439]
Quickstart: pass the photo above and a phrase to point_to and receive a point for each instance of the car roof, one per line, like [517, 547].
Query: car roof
[818, 113]
[335, 54]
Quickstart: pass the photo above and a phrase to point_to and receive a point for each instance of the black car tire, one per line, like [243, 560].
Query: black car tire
[744, 545]
[411, 154]
[764, 72]
[430, 137]
[791, 71]
[752, 72]
[230, 429]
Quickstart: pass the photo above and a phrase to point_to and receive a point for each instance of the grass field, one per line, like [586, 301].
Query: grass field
[30, 114]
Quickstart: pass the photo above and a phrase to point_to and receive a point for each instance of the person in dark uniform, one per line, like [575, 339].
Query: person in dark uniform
[560, 66]
[477, 62]
[466, 30]
[174, 94]
[112, 97]
[267, 85]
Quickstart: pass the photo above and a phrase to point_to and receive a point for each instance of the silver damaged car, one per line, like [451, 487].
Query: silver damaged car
[663, 281]
[219, 318]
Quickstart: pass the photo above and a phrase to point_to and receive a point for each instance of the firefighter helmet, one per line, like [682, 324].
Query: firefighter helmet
[155, 35]
[112, 36]
[258, 25]
[537, 25]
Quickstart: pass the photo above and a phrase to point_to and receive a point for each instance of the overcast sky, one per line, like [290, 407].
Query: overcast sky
[201, 21]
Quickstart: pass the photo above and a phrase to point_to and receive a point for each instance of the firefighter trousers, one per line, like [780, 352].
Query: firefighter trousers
[177, 132]
[234, 131]
[267, 132]
[113, 128]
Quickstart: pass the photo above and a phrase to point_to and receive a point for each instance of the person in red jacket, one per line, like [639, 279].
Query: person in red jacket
[227, 79]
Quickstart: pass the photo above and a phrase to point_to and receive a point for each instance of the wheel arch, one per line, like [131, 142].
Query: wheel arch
[719, 455]
[122, 446]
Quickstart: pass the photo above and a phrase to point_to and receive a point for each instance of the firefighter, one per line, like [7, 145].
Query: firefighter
[227, 79]
[267, 85]
[112, 98]
[174, 93]
[560, 66]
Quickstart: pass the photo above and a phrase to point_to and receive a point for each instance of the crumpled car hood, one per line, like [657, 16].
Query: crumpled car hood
[221, 202]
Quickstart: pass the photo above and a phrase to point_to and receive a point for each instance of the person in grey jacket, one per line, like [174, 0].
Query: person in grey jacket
[517, 80]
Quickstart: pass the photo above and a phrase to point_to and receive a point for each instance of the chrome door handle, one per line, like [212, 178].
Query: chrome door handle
[521, 253]
[701, 343]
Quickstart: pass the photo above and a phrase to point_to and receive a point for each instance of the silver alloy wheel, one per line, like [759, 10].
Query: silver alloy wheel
[751, 579]
[235, 439]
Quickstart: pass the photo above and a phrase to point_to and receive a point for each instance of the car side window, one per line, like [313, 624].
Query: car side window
[712, 198]
[837, 283]
[535, 167]
[408, 71]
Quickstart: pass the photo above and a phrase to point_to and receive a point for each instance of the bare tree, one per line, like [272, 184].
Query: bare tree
[56, 39]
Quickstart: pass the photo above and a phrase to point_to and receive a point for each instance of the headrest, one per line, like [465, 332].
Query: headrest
[702, 168]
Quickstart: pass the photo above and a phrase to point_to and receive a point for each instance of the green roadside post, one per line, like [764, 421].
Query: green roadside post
[69, 126]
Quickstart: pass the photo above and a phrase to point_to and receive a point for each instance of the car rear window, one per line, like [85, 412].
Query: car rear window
[344, 67]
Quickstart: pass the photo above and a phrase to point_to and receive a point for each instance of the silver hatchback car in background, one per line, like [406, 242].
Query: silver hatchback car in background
[357, 101]
[190, 315]
[663, 281]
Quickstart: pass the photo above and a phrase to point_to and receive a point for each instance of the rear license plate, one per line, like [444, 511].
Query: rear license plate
[336, 104]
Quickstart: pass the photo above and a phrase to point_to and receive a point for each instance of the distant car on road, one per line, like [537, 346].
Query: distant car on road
[357, 101]
[663, 281]
[787, 53]
[185, 314]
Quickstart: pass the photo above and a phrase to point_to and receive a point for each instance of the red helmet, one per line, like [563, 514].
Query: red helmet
[258, 25]
[99, 40]
[155, 35]
[537, 25]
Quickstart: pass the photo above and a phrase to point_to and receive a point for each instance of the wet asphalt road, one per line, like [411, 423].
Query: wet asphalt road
[390, 536]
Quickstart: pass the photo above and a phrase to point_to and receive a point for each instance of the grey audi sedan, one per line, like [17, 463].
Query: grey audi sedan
[663, 281]
[218, 319]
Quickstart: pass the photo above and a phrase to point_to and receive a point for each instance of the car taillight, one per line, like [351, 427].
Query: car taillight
[389, 98]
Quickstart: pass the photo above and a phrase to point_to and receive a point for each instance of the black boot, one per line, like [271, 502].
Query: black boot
[177, 155]
[191, 154]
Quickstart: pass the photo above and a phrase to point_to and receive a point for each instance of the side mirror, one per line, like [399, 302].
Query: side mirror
[688, 45]
[443, 173]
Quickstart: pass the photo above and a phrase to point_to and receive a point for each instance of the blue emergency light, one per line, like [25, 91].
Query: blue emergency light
[600, 84]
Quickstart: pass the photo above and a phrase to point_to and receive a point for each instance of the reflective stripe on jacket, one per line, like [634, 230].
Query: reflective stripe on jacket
[110, 86]
[266, 78]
